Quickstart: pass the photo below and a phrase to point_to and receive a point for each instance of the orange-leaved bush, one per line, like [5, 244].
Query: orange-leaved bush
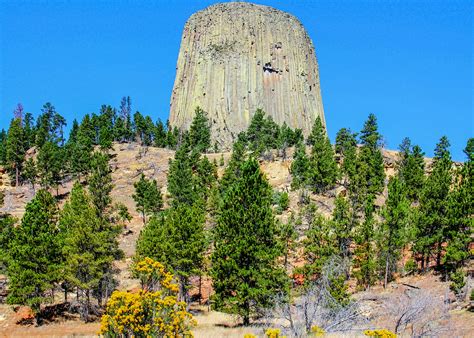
[154, 311]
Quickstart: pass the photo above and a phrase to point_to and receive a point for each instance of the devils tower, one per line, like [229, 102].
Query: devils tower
[237, 57]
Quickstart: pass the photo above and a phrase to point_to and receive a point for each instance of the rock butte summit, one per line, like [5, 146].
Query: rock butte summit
[237, 57]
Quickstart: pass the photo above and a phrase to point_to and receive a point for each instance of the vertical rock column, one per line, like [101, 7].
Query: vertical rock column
[237, 57]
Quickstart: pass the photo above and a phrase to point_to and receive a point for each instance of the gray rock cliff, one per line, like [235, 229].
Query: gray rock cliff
[236, 57]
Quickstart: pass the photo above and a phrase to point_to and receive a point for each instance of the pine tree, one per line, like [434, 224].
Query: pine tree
[172, 136]
[300, 167]
[206, 178]
[84, 246]
[244, 260]
[100, 183]
[255, 131]
[391, 238]
[177, 239]
[346, 147]
[79, 147]
[50, 164]
[59, 122]
[323, 171]
[124, 132]
[370, 161]
[319, 245]
[288, 237]
[147, 197]
[44, 125]
[411, 169]
[343, 224]
[200, 131]
[140, 128]
[16, 149]
[28, 127]
[34, 254]
[73, 133]
[364, 255]
[180, 176]
[105, 129]
[7, 235]
[233, 169]
[3, 146]
[434, 205]
[100, 187]
[460, 210]
[160, 134]
[30, 173]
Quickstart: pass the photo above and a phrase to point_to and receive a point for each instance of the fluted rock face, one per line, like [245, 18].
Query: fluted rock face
[237, 57]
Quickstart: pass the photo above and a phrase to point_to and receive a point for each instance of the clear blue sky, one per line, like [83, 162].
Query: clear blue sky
[409, 62]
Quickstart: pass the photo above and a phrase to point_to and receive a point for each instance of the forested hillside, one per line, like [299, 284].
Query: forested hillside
[283, 231]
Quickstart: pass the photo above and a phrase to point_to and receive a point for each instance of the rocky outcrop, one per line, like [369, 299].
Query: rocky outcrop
[237, 57]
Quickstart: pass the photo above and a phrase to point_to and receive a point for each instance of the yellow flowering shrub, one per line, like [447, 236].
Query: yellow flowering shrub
[249, 335]
[274, 333]
[152, 275]
[317, 331]
[148, 313]
[382, 333]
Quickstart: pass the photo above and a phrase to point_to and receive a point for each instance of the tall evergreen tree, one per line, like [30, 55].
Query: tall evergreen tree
[460, 226]
[206, 178]
[180, 176]
[16, 149]
[346, 147]
[365, 265]
[147, 197]
[84, 246]
[342, 221]
[411, 169]
[124, 131]
[300, 167]
[35, 255]
[244, 260]
[30, 173]
[28, 127]
[371, 157]
[7, 235]
[3, 146]
[177, 239]
[100, 183]
[319, 245]
[434, 206]
[392, 229]
[323, 171]
[160, 135]
[79, 147]
[200, 131]
[50, 164]
[44, 125]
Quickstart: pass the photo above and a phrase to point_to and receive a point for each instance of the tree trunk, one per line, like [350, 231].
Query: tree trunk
[17, 174]
[200, 289]
[386, 273]
[246, 316]
[438, 256]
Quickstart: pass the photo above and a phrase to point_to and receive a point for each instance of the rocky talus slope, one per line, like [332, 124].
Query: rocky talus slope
[237, 57]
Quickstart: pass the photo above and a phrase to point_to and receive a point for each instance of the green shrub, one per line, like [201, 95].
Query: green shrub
[410, 266]
[458, 281]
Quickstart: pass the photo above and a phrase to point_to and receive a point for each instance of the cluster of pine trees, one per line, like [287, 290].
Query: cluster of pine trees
[70, 249]
[429, 215]
[59, 158]
[226, 228]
